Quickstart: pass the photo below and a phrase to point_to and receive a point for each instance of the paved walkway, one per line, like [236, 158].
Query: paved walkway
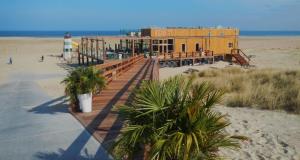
[34, 126]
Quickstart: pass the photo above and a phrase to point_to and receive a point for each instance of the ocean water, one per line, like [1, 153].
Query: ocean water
[58, 33]
[270, 33]
[122, 32]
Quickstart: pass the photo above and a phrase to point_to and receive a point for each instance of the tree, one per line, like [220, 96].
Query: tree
[174, 119]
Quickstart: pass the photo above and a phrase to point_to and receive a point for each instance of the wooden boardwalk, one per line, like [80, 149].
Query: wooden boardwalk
[103, 122]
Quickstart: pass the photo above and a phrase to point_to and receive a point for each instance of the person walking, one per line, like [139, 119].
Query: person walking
[42, 58]
[10, 60]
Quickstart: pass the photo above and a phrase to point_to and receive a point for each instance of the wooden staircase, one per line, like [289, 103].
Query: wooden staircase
[240, 57]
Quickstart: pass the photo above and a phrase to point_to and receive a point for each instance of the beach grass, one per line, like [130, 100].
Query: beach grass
[257, 88]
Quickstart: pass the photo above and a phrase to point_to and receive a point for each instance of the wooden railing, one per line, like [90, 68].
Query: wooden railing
[240, 52]
[112, 70]
[173, 55]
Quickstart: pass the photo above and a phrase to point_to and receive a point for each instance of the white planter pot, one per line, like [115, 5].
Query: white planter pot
[85, 102]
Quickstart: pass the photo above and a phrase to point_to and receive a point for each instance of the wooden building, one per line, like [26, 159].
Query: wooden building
[188, 40]
[179, 46]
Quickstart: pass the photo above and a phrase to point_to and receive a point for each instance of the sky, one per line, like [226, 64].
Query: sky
[98, 15]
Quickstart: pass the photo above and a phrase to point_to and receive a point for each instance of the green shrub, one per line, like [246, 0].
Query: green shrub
[174, 120]
[83, 80]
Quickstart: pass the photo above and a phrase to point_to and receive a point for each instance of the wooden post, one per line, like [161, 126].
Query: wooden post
[132, 48]
[92, 51]
[87, 51]
[79, 55]
[121, 46]
[83, 50]
[167, 47]
[97, 50]
[180, 62]
[126, 44]
[141, 46]
[193, 61]
[212, 53]
[103, 48]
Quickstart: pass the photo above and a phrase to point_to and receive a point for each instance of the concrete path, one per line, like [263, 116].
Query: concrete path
[34, 126]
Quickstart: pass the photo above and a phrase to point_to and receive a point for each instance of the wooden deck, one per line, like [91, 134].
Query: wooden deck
[104, 122]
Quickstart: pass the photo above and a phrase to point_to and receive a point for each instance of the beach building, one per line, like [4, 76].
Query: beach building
[67, 54]
[172, 46]
[174, 41]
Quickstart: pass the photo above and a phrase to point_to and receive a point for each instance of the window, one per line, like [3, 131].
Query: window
[197, 47]
[230, 45]
[182, 47]
[170, 45]
[155, 41]
[155, 48]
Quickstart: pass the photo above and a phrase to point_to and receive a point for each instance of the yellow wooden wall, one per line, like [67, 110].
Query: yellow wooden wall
[218, 40]
[176, 32]
[219, 45]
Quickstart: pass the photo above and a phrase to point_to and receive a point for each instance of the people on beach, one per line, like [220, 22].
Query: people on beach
[42, 58]
[10, 61]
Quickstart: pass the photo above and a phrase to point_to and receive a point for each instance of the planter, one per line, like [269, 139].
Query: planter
[85, 102]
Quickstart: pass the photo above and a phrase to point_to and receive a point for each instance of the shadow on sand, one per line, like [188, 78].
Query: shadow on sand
[66, 66]
[75, 149]
[58, 156]
[57, 105]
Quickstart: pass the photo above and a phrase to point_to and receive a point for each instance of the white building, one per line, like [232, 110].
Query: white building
[67, 47]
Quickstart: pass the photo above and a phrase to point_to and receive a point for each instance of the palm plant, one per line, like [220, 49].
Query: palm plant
[174, 119]
[83, 80]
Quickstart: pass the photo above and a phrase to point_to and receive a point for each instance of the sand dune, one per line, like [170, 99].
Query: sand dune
[273, 134]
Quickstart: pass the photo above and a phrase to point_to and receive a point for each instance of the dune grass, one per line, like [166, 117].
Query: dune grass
[258, 88]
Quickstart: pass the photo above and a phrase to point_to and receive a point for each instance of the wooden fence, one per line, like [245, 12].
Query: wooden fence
[112, 70]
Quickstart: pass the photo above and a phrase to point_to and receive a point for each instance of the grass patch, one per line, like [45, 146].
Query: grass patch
[258, 88]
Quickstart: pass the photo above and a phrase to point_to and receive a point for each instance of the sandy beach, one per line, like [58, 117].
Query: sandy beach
[273, 134]
[35, 122]
[26, 54]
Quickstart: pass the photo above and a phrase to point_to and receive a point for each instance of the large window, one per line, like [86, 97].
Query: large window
[197, 47]
[182, 47]
[170, 45]
[155, 48]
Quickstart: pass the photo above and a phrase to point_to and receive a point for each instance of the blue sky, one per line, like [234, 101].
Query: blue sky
[131, 14]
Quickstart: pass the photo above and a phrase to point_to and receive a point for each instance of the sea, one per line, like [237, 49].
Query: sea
[123, 32]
